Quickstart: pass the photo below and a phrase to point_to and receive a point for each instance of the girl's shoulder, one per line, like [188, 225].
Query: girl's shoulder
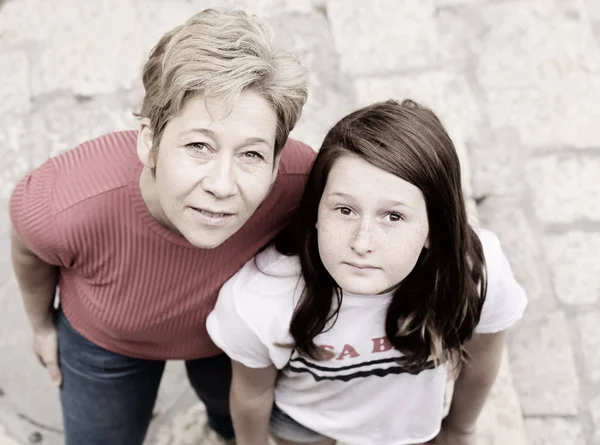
[490, 244]
[493, 253]
[505, 299]
[269, 277]
[271, 262]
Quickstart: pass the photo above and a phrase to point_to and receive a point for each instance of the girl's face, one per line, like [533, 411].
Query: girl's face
[371, 225]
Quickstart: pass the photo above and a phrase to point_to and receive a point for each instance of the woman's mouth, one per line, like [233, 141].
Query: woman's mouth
[212, 217]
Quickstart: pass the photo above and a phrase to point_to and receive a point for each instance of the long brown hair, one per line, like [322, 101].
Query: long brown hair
[435, 309]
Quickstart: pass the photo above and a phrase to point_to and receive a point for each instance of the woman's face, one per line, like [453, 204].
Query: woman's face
[371, 226]
[212, 170]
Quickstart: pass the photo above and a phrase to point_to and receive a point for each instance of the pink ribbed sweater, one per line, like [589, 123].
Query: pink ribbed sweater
[127, 283]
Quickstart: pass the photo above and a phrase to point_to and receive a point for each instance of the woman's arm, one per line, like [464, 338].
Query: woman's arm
[37, 282]
[251, 401]
[474, 382]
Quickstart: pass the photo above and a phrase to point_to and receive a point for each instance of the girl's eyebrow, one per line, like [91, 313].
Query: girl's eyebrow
[387, 203]
[394, 203]
[340, 195]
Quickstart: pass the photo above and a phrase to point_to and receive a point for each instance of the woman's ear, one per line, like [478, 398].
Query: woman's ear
[144, 144]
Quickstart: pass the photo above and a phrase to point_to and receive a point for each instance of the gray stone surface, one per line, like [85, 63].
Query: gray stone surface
[13, 140]
[458, 29]
[573, 258]
[383, 36]
[539, 68]
[497, 164]
[554, 431]
[595, 411]
[15, 96]
[519, 244]
[544, 368]
[570, 183]
[589, 334]
[498, 424]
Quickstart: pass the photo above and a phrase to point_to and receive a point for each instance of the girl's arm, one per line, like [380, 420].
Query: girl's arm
[474, 382]
[251, 402]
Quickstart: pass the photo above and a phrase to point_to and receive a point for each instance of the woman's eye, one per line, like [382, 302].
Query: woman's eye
[198, 147]
[253, 155]
[395, 216]
[344, 210]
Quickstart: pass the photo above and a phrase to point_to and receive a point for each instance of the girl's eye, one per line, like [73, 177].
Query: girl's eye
[344, 211]
[395, 216]
[253, 155]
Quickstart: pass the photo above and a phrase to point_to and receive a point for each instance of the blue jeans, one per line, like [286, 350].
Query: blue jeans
[108, 398]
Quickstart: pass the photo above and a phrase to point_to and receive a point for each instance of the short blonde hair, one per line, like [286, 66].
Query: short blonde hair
[222, 54]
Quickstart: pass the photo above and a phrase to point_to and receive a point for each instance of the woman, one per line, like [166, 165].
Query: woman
[138, 230]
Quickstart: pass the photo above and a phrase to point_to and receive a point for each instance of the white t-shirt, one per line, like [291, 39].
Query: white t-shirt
[362, 395]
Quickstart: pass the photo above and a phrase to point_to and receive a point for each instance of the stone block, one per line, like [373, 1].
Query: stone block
[589, 335]
[63, 123]
[446, 3]
[539, 66]
[497, 160]
[593, 9]
[565, 188]
[92, 47]
[5, 439]
[532, 43]
[330, 93]
[19, 155]
[270, 8]
[573, 260]
[459, 29]
[15, 97]
[383, 36]
[543, 367]
[85, 47]
[505, 217]
[595, 412]
[554, 431]
[6, 271]
[501, 420]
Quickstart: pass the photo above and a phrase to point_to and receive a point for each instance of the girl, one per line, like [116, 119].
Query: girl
[347, 328]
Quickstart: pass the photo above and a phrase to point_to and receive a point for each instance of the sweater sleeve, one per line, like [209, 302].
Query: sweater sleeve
[33, 217]
[505, 300]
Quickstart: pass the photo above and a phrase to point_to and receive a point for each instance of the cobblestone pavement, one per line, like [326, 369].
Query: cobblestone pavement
[517, 83]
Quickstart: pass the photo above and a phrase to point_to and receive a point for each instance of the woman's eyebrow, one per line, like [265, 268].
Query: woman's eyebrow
[204, 131]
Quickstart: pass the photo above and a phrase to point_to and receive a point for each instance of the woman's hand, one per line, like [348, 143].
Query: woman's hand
[448, 436]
